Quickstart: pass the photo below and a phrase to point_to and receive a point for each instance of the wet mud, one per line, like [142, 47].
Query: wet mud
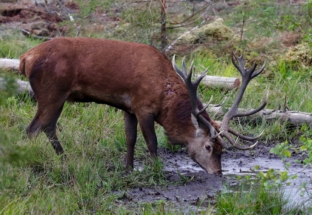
[198, 189]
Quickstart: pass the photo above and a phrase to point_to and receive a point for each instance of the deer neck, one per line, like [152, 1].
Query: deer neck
[175, 115]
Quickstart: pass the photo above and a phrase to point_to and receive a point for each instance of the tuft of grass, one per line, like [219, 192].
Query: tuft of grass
[13, 47]
[254, 200]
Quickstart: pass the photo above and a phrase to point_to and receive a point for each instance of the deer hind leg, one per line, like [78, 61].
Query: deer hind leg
[45, 119]
[50, 128]
[131, 127]
[148, 130]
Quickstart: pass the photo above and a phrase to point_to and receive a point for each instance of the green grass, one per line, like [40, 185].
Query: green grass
[93, 166]
[14, 46]
[255, 199]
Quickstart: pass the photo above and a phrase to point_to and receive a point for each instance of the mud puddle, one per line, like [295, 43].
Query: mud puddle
[293, 190]
[198, 188]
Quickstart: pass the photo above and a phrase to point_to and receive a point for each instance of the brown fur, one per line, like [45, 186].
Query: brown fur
[133, 77]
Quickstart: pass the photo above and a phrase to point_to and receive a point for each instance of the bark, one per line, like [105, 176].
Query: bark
[163, 25]
[9, 64]
[226, 83]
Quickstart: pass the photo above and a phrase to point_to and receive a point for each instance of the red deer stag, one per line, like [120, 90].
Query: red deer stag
[137, 79]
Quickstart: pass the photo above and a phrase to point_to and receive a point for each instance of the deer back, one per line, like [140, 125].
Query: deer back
[129, 76]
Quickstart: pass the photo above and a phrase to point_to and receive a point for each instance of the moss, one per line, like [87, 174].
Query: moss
[300, 54]
[215, 30]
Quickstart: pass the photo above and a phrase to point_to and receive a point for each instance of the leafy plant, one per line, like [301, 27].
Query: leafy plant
[282, 150]
[306, 147]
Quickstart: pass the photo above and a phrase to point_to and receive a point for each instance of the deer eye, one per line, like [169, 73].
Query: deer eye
[208, 148]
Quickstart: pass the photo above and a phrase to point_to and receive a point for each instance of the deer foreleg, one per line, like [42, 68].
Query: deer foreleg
[131, 124]
[148, 130]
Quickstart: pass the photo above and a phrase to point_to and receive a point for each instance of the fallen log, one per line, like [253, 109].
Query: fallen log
[22, 87]
[9, 64]
[295, 118]
[225, 83]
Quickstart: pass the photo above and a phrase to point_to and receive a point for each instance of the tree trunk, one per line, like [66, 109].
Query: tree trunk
[163, 25]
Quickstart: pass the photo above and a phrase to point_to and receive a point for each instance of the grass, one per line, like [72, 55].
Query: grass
[255, 199]
[42, 182]
[35, 180]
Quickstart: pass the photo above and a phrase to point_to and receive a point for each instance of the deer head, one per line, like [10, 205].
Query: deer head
[209, 133]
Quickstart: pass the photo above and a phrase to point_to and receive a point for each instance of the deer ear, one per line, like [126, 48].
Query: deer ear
[195, 122]
[200, 131]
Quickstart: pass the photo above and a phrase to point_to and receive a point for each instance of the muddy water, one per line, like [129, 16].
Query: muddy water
[199, 188]
[293, 190]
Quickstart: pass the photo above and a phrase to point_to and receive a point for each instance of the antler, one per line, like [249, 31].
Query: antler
[192, 89]
[247, 76]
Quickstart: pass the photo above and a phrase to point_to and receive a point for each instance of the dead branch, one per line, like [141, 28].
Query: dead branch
[295, 118]
[30, 35]
[22, 86]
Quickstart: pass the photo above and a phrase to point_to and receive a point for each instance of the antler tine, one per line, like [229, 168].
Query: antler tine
[247, 76]
[255, 74]
[184, 67]
[192, 87]
[234, 143]
[176, 68]
[224, 145]
[206, 106]
[240, 67]
[243, 137]
[198, 80]
[255, 110]
[192, 90]
[252, 69]
[187, 78]
[252, 111]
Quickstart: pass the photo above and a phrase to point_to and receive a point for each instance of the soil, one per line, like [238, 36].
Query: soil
[37, 20]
